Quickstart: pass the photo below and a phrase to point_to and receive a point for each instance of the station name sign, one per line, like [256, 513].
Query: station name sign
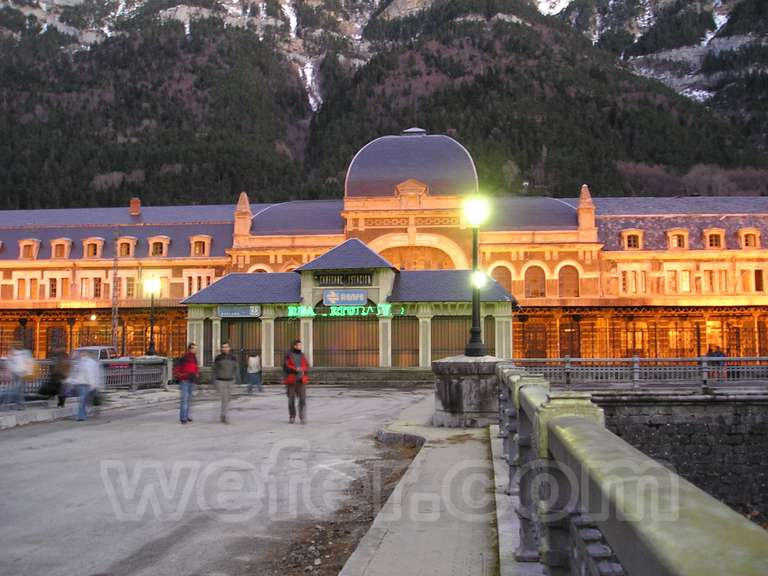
[345, 297]
[345, 311]
[240, 311]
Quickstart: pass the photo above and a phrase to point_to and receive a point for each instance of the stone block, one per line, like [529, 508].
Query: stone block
[466, 392]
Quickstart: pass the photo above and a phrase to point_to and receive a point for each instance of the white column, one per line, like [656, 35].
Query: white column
[385, 342]
[215, 335]
[268, 342]
[503, 325]
[195, 334]
[306, 339]
[425, 341]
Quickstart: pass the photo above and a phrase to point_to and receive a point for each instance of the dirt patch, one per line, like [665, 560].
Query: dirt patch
[322, 548]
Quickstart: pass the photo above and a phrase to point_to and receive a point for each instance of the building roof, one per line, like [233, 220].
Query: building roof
[439, 161]
[531, 213]
[444, 286]
[299, 217]
[350, 255]
[670, 206]
[256, 288]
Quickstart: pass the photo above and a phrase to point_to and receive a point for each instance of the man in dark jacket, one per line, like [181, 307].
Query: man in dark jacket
[295, 368]
[226, 373]
[187, 373]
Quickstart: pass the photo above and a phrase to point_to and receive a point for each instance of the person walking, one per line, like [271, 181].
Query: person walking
[254, 373]
[59, 373]
[225, 372]
[188, 374]
[295, 368]
[87, 378]
[21, 366]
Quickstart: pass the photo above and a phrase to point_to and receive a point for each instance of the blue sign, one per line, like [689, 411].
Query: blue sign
[345, 297]
[240, 311]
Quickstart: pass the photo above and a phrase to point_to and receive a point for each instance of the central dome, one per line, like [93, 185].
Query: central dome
[438, 161]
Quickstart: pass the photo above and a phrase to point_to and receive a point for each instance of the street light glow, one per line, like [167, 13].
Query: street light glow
[479, 278]
[152, 285]
[93, 317]
[476, 209]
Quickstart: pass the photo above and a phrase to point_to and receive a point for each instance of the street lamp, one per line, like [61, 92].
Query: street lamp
[476, 211]
[151, 287]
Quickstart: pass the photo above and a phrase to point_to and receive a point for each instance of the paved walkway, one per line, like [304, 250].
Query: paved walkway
[441, 519]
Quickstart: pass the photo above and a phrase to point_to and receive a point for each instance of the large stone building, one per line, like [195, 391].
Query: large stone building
[598, 277]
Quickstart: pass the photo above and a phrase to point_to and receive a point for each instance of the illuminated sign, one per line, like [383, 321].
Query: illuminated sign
[244, 311]
[345, 311]
[345, 297]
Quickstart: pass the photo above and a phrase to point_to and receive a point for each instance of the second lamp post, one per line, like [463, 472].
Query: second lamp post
[476, 211]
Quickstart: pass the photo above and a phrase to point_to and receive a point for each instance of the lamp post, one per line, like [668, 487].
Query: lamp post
[151, 287]
[476, 211]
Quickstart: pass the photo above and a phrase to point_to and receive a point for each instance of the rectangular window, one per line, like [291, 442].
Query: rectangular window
[130, 287]
[85, 285]
[624, 282]
[125, 248]
[97, 287]
[26, 251]
[207, 280]
[709, 281]
[157, 248]
[671, 281]
[92, 250]
[750, 241]
[723, 282]
[715, 241]
[58, 251]
[199, 283]
[21, 288]
[685, 281]
[745, 285]
[190, 285]
[643, 281]
[118, 286]
[53, 288]
[633, 241]
[759, 281]
[199, 248]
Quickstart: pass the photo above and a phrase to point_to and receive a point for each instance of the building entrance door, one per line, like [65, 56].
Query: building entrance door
[244, 336]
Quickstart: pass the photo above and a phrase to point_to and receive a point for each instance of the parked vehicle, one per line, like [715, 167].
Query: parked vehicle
[100, 352]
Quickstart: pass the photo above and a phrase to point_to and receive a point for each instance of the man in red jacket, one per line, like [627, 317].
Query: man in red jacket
[187, 373]
[295, 368]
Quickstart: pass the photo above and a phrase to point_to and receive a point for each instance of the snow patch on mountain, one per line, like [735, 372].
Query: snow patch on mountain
[550, 7]
[290, 12]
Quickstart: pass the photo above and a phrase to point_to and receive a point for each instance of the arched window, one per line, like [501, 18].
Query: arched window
[503, 276]
[568, 282]
[535, 282]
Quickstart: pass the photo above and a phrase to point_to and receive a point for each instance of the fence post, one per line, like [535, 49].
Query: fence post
[635, 372]
[704, 374]
[568, 372]
[133, 374]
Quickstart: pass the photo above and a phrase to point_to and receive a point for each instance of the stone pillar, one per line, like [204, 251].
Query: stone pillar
[268, 342]
[195, 334]
[215, 335]
[466, 392]
[385, 342]
[425, 341]
[307, 335]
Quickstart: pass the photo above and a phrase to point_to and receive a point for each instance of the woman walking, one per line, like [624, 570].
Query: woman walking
[295, 368]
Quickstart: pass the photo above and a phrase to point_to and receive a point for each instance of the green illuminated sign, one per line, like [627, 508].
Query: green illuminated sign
[345, 311]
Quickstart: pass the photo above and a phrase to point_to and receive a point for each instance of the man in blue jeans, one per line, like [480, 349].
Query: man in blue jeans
[187, 373]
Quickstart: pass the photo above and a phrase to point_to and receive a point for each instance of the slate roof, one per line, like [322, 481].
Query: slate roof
[257, 288]
[299, 217]
[437, 160]
[350, 255]
[444, 286]
[668, 206]
[531, 213]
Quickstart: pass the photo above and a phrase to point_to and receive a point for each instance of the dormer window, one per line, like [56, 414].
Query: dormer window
[158, 246]
[677, 239]
[28, 249]
[92, 247]
[714, 238]
[632, 239]
[60, 248]
[200, 245]
[749, 237]
[126, 246]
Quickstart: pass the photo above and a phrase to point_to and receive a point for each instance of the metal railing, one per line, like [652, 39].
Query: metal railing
[638, 372]
[129, 374]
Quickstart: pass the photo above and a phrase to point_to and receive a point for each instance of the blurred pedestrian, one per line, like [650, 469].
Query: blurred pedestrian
[295, 368]
[254, 373]
[226, 373]
[87, 378]
[187, 373]
[60, 368]
[21, 366]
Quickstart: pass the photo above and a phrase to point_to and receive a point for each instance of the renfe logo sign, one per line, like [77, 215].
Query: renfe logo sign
[345, 297]
[243, 311]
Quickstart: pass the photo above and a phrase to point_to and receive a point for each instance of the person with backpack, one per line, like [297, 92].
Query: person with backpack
[295, 368]
[254, 373]
[187, 373]
[87, 378]
[226, 373]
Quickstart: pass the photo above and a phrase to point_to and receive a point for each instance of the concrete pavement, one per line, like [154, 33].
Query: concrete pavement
[134, 492]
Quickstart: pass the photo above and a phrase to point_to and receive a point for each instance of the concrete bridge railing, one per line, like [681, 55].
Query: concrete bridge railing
[637, 372]
[591, 504]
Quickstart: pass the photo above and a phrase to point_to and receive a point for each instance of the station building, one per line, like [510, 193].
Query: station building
[592, 276]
